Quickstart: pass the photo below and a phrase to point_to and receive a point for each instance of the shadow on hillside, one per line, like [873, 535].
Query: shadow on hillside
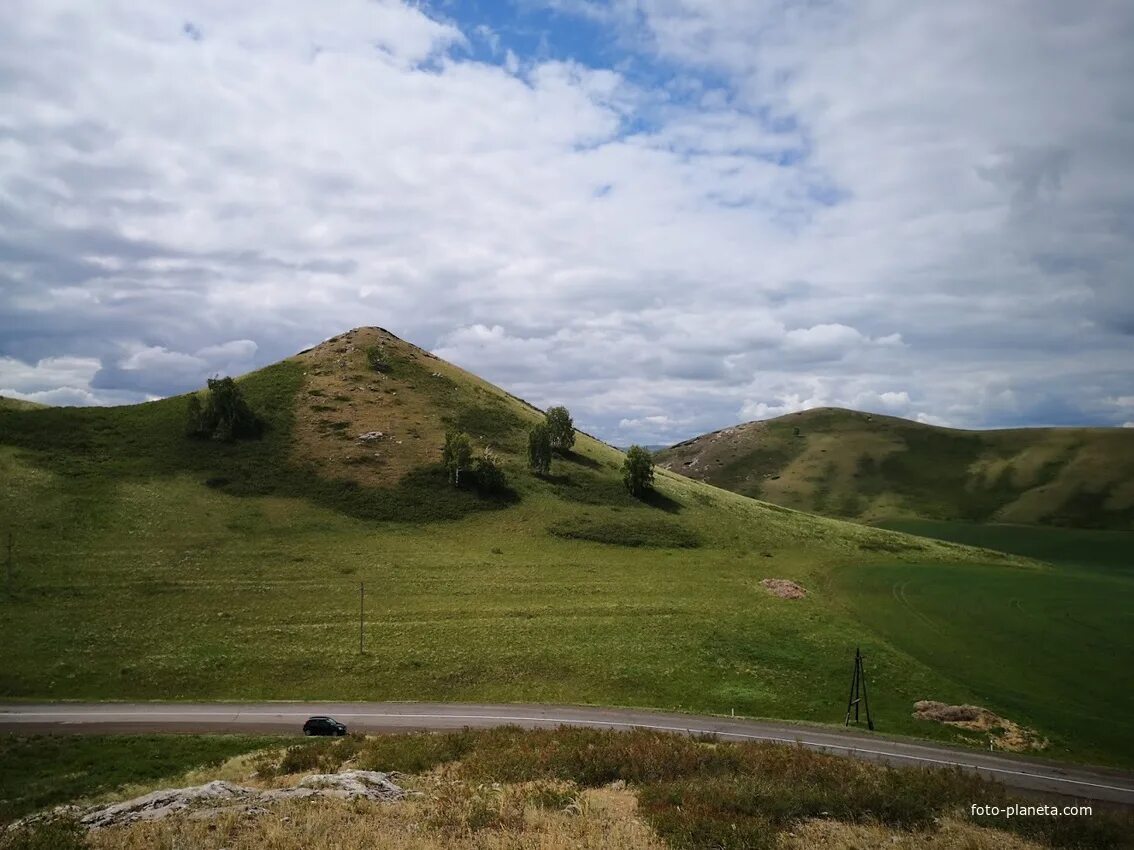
[661, 501]
[581, 460]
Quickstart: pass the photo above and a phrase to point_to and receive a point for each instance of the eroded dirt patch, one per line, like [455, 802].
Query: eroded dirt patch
[1004, 734]
[783, 588]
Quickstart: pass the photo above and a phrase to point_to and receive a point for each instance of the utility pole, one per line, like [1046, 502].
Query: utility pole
[361, 609]
[858, 693]
[11, 584]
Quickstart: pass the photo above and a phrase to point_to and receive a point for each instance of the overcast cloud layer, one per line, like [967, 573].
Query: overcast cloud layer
[670, 215]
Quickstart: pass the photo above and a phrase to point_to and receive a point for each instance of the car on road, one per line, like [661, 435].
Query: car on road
[320, 725]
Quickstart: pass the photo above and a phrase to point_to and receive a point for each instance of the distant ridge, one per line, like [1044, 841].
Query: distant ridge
[7, 403]
[870, 467]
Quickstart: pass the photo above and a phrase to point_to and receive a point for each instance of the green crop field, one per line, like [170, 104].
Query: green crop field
[1068, 546]
[148, 565]
[1046, 646]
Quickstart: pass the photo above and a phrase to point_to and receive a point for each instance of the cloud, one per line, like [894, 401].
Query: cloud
[687, 209]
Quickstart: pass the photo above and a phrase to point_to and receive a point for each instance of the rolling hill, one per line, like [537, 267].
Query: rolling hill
[7, 403]
[870, 468]
[151, 565]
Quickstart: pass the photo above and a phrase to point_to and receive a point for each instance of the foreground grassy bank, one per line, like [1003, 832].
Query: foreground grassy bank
[571, 787]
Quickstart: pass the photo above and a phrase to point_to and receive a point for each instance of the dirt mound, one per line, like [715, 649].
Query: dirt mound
[1004, 734]
[783, 588]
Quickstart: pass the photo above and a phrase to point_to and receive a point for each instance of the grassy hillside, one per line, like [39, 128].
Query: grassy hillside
[7, 403]
[870, 467]
[151, 565]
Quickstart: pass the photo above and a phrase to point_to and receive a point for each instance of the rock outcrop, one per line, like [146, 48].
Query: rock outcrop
[212, 798]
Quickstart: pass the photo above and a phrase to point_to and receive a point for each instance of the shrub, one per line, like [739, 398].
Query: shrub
[376, 359]
[562, 428]
[489, 476]
[225, 415]
[553, 796]
[194, 416]
[457, 455]
[539, 449]
[638, 471]
[417, 752]
[304, 757]
[325, 756]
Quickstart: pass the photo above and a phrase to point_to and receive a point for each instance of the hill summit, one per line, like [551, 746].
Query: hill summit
[871, 467]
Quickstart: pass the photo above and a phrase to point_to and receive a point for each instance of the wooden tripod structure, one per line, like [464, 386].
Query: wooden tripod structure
[858, 693]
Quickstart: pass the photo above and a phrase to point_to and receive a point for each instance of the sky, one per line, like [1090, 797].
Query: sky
[669, 215]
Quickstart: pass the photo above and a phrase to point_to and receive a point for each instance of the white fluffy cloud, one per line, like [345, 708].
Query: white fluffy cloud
[922, 209]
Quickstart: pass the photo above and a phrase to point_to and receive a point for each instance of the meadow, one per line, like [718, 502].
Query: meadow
[1073, 547]
[151, 566]
[1046, 646]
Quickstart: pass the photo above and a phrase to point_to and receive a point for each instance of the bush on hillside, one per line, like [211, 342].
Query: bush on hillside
[561, 427]
[376, 359]
[457, 455]
[638, 471]
[489, 475]
[225, 415]
[539, 449]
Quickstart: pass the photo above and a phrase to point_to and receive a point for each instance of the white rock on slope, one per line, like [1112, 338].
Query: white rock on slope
[217, 796]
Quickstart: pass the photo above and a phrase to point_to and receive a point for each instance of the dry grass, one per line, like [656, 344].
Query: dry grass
[783, 588]
[509, 788]
[482, 817]
[1004, 734]
[952, 834]
[342, 398]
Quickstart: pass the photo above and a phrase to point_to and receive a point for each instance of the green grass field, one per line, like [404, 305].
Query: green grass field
[1045, 647]
[151, 566]
[1108, 550]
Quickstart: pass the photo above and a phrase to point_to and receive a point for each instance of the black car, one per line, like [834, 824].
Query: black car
[323, 726]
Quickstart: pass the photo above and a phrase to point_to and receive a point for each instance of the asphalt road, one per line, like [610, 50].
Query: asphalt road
[1028, 775]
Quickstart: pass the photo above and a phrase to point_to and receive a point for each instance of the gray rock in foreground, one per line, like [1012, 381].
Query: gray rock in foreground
[215, 797]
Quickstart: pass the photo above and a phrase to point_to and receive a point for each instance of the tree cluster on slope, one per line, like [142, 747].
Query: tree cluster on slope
[555, 434]
[225, 415]
[561, 428]
[484, 472]
[539, 449]
[638, 471]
